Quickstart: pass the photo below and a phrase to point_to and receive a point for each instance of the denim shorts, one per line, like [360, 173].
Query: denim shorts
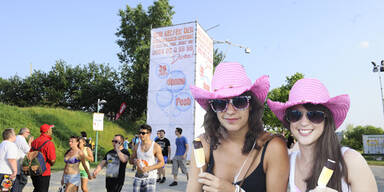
[73, 179]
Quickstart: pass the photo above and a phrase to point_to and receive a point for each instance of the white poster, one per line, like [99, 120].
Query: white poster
[98, 121]
[172, 70]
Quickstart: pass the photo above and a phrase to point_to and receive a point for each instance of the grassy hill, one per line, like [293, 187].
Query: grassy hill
[67, 123]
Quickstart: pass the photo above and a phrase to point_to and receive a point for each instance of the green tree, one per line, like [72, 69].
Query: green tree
[218, 56]
[134, 36]
[353, 136]
[279, 94]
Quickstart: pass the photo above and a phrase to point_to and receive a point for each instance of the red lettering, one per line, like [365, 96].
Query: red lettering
[183, 102]
[163, 70]
[177, 81]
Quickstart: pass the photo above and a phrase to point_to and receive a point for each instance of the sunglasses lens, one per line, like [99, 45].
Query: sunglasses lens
[293, 116]
[143, 133]
[240, 102]
[316, 116]
[114, 141]
[219, 105]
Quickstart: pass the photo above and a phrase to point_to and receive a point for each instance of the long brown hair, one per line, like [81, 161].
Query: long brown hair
[214, 131]
[326, 147]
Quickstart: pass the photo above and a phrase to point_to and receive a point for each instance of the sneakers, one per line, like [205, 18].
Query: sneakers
[158, 180]
[173, 183]
[162, 180]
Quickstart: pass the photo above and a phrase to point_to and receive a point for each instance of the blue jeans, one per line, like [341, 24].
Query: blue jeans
[20, 182]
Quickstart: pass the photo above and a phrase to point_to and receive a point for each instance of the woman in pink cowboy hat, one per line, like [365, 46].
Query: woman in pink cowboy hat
[313, 116]
[239, 154]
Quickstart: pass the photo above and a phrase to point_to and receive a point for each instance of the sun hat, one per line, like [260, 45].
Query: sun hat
[44, 128]
[229, 80]
[312, 91]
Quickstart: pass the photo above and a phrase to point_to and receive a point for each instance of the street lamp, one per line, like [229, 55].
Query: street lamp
[247, 50]
[379, 69]
[99, 104]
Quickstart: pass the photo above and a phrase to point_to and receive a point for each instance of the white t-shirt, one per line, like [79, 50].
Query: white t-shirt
[8, 150]
[23, 149]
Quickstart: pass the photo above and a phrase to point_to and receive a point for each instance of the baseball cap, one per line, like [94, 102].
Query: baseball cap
[44, 128]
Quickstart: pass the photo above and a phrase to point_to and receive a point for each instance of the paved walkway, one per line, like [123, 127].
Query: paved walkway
[98, 184]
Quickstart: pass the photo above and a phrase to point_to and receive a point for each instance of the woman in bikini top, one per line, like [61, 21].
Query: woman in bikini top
[72, 158]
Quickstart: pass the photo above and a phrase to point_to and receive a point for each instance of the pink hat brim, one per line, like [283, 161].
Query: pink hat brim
[338, 106]
[260, 89]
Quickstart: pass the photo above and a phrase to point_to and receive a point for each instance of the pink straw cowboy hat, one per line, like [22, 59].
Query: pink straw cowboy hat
[312, 91]
[229, 80]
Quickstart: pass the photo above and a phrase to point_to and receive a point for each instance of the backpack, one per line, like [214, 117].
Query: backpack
[34, 162]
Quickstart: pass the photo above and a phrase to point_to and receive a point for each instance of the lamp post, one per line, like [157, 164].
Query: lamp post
[246, 49]
[99, 103]
[379, 69]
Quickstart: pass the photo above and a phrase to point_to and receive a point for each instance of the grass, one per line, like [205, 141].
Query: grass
[67, 123]
[374, 162]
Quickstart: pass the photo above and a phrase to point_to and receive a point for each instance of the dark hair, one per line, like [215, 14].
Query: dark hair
[180, 130]
[83, 134]
[146, 127]
[78, 143]
[162, 130]
[121, 137]
[326, 147]
[7, 133]
[214, 131]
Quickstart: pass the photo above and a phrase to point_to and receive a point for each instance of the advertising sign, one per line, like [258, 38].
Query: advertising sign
[373, 144]
[173, 68]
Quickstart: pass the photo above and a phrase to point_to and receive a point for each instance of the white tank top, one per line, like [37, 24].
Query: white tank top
[149, 157]
[292, 161]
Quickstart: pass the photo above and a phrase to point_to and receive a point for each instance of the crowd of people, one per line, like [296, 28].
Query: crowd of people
[239, 154]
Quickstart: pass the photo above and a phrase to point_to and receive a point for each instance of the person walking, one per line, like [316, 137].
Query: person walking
[115, 162]
[72, 158]
[88, 158]
[23, 148]
[41, 182]
[179, 160]
[126, 143]
[8, 156]
[143, 156]
[165, 150]
[313, 117]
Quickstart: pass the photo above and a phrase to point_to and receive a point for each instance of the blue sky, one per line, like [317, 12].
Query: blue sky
[332, 40]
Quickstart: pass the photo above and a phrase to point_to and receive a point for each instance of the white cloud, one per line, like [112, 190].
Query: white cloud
[364, 44]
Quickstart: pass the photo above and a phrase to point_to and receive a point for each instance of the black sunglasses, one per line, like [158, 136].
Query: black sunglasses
[314, 116]
[115, 141]
[142, 133]
[239, 103]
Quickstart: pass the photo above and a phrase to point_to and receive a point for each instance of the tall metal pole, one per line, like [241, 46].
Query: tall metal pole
[97, 132]
[381, 90]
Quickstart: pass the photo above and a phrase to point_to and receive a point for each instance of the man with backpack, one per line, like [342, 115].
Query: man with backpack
[45, 145]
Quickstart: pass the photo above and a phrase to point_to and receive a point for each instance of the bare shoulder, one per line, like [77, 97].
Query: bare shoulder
[277, 143]
[354, 159]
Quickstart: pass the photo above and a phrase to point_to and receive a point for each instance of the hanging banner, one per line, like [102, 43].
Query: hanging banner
[121, 110]
[177, 58]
